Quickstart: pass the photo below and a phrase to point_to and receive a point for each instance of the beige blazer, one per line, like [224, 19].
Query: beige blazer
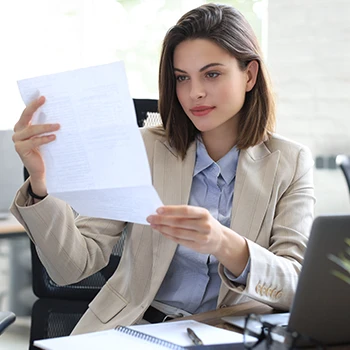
[272, 207]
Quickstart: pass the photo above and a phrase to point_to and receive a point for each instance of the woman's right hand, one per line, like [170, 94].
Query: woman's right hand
[27, 139]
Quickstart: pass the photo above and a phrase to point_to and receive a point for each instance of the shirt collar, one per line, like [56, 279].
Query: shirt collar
[203, 159]
[228, 163]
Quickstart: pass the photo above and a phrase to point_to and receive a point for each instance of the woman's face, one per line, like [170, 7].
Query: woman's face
[210, 86]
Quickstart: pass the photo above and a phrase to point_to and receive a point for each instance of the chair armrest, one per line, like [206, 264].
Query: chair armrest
[6, 318]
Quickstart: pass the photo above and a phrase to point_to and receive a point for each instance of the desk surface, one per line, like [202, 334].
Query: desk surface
[214, 318]
[10, 227]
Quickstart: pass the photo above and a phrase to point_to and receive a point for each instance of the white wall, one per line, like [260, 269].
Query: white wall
[308, 58]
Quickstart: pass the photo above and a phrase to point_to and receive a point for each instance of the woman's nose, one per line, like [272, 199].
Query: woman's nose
[197, 91]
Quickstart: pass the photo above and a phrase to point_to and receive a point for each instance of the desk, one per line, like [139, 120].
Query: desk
[11, 228]
[213, 318]
[20, 295]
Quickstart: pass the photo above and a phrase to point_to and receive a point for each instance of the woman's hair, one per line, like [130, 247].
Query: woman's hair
[225, 26]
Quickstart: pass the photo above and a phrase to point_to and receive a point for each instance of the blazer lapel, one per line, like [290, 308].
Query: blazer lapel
[255, 176]
[172, 176]
[172, 179]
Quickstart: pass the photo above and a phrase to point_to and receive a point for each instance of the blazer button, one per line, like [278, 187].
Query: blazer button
[274, 293]
[279, 295]
[269, 292]
[261, 290]
[258, 288]
[264, 291]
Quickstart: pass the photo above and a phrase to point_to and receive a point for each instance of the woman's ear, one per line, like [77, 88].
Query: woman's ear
[252, 73]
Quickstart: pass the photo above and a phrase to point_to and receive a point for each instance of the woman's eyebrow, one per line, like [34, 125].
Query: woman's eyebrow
[210, 65]
[202, 69]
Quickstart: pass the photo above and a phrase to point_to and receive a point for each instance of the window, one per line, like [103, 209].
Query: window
[48, 36]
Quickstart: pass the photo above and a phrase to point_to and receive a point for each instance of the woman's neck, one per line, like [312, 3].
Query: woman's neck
[218, 144]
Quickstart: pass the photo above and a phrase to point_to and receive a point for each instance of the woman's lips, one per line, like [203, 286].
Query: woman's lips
[201, 110]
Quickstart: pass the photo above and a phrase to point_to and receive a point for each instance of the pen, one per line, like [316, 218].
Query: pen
[193, 336]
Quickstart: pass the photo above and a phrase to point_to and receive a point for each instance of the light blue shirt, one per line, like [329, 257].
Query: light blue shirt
[192, 282]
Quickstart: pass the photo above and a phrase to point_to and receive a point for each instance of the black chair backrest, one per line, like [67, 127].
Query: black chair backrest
[146, 109]
[85, 290]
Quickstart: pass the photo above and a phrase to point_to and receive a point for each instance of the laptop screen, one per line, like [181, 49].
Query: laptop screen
[321, 306]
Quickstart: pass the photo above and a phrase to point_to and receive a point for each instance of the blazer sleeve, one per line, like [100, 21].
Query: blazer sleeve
[275, 269]
[70, 246]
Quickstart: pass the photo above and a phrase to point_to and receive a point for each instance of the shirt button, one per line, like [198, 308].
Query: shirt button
[223, 306]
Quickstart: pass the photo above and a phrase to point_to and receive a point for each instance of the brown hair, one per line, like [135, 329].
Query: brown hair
[225, 26]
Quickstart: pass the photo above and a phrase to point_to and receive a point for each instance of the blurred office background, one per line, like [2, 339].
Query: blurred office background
[305, 43]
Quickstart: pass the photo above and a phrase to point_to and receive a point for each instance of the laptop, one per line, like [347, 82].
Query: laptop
[11, 172]
[321, 305]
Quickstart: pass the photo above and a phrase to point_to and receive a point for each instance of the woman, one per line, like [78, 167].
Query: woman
[238, 198]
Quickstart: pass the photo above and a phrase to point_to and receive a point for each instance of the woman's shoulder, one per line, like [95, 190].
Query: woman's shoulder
[154, 133]
[150, 136]
[293, 155]
[286, 146]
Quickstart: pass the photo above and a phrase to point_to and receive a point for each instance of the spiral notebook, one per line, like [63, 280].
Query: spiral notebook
[168, 335]
[118, 338]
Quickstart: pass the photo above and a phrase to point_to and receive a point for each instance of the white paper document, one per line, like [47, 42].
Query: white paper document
[98, 162]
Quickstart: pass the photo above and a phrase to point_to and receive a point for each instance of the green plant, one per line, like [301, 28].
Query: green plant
[343, 261]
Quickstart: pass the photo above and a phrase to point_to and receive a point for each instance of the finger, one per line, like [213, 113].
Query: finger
[175, 221]
[196, 245]
[23, 148]
[28, 112]
[183, 210]
[178, 233]
[34, 130]
[189, 244]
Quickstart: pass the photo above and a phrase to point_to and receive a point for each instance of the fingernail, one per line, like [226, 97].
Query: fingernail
[160, 210]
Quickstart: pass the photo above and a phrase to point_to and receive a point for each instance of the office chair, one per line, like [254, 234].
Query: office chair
[59, 308]
[343, 161]
[147, 112]
[6, 319]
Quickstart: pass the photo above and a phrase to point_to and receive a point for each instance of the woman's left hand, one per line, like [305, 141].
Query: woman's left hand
[190, 226]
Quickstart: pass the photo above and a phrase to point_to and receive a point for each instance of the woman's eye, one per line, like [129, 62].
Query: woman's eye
[181, 78]
[212, 75]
